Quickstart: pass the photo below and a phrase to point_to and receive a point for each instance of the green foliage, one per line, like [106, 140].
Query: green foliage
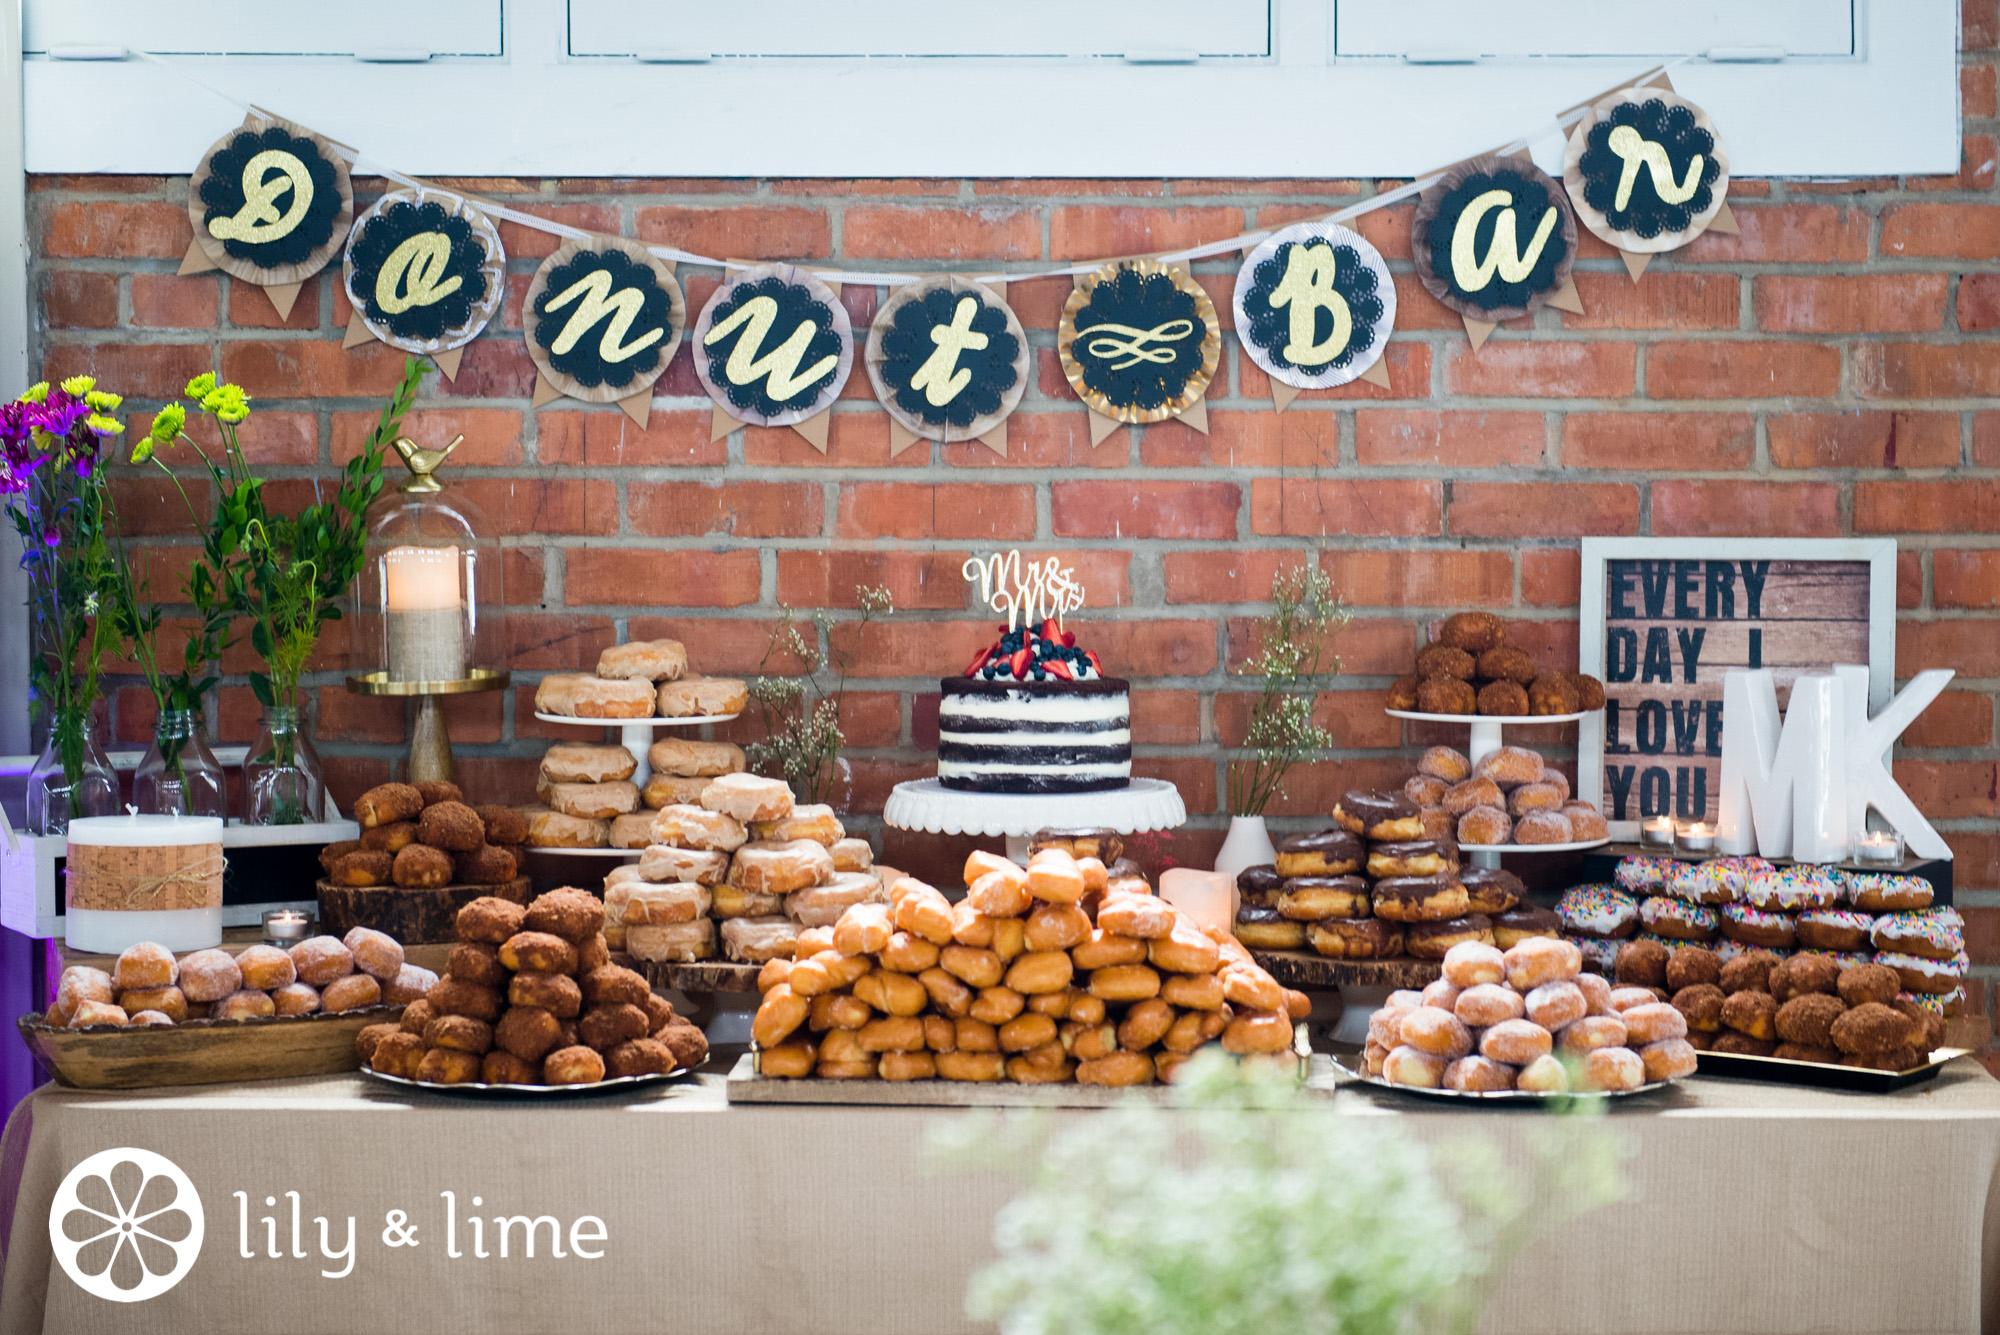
[802, 738]
[1293, 657]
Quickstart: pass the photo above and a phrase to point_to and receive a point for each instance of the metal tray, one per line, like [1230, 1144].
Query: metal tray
[474, 1089]
[1519, 1097]
[1785, 1071]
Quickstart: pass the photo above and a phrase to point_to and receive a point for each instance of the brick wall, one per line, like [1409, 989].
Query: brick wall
[1834, 370]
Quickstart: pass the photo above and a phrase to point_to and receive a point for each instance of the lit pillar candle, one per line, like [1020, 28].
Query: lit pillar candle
[421, 594]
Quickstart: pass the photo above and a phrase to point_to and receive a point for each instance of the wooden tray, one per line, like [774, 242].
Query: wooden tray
[702, 976]
[1305, 969]
[414, 917]
[202, 1052]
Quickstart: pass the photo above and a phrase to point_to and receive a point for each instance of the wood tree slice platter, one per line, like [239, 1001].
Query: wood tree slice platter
[702, 976]
[202, 1052]
[413, 917]
[1302, 969]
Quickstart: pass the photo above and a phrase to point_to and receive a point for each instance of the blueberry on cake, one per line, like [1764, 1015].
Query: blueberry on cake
[1035, 714]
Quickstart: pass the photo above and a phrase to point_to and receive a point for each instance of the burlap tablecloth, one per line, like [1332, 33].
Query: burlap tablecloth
[1753, 1208]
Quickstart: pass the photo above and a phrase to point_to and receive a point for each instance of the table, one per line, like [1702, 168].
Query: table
[1754, 1207]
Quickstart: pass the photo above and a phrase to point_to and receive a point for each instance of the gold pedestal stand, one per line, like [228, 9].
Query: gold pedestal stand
[430, 741]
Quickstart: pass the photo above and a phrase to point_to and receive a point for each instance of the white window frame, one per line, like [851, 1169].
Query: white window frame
[1892, 108]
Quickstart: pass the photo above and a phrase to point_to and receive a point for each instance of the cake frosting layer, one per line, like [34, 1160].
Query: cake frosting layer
[1034, 736]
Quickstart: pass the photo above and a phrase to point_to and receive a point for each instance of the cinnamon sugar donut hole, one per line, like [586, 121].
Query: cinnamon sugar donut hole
[1700, 1004]
[1474, 632]
[1691, 965]
[1444, 660]
[1447, 695]
[1751, 1013]
[1502, 699]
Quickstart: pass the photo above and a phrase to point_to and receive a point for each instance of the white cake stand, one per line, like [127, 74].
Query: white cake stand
[927, 805]
[1485, 739]
[636, 734]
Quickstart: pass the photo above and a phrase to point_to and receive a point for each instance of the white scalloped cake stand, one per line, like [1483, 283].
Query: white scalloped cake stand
[927, 805]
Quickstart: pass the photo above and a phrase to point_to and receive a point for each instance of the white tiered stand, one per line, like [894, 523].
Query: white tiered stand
[929, 806]
[636, 736]
[1486, 738]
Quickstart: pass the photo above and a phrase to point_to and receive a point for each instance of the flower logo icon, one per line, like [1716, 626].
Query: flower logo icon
[126, 1225]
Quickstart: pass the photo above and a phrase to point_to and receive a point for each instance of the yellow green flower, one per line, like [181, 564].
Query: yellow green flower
[229, 403]
[102, 402]
[104, 426]
[167, 427]
[79, 385]
[201, 386]
[36, 393]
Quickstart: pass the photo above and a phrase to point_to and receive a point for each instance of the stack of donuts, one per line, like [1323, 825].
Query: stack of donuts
[1059, 971]
[1738, 904]
[148, 986]
[744, 856]
[1510, 796]
[640, 680]
[1468, 668]
[423, 835]
[1377, 886]
[1526, 1018]
[1810, 1007]
[530, 997]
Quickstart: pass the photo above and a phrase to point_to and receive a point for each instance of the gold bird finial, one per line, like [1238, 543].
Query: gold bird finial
[423, 463]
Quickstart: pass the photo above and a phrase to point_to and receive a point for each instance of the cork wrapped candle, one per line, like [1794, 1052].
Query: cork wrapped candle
[143, 878]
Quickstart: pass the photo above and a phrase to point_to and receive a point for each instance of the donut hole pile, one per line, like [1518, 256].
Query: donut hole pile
[1469, 668]
[643, 679]
[148, 986]
[423, 835]
[1809, 1007]
[530, 996]
[1511, 795]
[1526, 1018]
[1055, 972]
[1738, 904]
[742, 855]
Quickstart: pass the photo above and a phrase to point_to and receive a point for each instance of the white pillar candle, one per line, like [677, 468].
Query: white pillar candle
[421, 593]
[122, 870]
[1204, 896]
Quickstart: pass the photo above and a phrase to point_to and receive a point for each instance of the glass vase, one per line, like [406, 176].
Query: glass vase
[282, 780]
[57, 794]
[179, 775]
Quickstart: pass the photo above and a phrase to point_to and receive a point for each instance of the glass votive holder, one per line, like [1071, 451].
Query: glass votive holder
[1696, 837]
[1879, 848]
[285, 928]
[1657, 832]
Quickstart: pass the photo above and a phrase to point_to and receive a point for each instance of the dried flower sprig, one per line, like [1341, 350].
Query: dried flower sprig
[802, 738]
[1294, 659]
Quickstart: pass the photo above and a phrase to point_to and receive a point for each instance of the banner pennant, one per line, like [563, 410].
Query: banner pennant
[196, 261]
[1478, 330]
[358, 333]
[545, 391]
[720, 424]
[900, 438]
[1282, 395]
[448, 360]
[815, 429]
[1566, 297]
[1101, 426]
[1378, 373]
[1635, 262]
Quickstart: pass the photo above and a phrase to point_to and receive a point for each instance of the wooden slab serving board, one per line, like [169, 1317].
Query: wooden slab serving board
[202, 1052]
[703, 976]
[1304, 970]
[414, 917]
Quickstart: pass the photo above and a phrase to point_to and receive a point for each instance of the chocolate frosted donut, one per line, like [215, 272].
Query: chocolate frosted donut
[1412, 857]
[1378, 815]
[1260, 885]
[1517, 924]
[1431, 940]
[1267, 929]
[1421, 898]
[1311, 898]
[1356, 938]
[1492, 890]
[1322, 853]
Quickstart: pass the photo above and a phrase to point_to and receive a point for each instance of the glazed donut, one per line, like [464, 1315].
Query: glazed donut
[1791, 889]
[1835, 929]
[1919, 975]
[1539, 796]
[1700, 1004]
[1516, 1042]
[1356, 938]
[1408, 899]
[1596, 993]
[1804, 974]
[1474, 963]
[1413, 857]
[1434, 940]
[1444, 763]
[1543, 827]
[1480, 792]
[1478, 1075]
[1756, 927]
[1610, 1069]
[1314, 898]
[1872, 1028]
[1553, 1005]
[1335, 852]
[1591, 1033]
[1864, 983]
[1377, 815]
[1426, 790]
[1544, 1075]
[1442, 994]
[1491, 890]
[1501, 699]
[1886, 892]
[1585, 820]
[1599, 911]
[1641, 873]
[1539, 960]
[1510, 766]
[1410, 1066]
[1267, 929]
[1808, 1019]
[1752, 1013]
[1484, 827]
[211, 975]
[1438, 1032]
[1934, 934]
[1677, 920]
[1518, 924]
[1599, 955]
[1185, 950]
[1652, 1021]
[1642, 963]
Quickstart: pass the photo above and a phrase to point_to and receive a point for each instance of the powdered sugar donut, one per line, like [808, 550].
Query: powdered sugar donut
[1791, 889]
[1678, 919]
[1886, 892]
[1937, 934]
[210, 975]
[1643, 873]
[1758, 927]
[1599, 911]
[1836, 929]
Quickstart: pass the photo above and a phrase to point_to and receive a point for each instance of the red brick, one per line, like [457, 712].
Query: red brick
[1986, 440]
[309, 370]
[1155, 648]
[111, 229]
[987, 232]
[961, 510]
[1979, 302]
[1976, 160]
[1902, 303]
[1542, 370]
[492, 435]
[1909, 579]
[1955, 231]
[1422, 578]
[1067, 186]
[1542, 509]
[138, 371]
[1194, 776]
[1976, 858]
[919, 581]
[477, 720]
[1039, 440]
[1968, 646]
[534, 505]
[251, 307]
[1550, 577]
[1966, 506]
[1746, 509]
[1659, 440]
[1385, 507]
[1664, 300]
[654, 185]
[759, 232]
[492, 368]
[1927, 370]
[1741, 370]
[1038, 303]
[1236, 575]
[523, 573]
[165, 301]
[1257, 439]
[1388, 230]
[1863, 440]
[740, 509]
[1453, 440]
[1416, 308]
[854, 440]
[1126, 510]
[82, 183]
[1785, 234]
[1092, 231]
[1979, 25]
[1976, 92]
[1166, 718]
[344, 717]
[1331, 188]
[617, 577]
[611, 439]
[1409, 377]
[563, 642]
[1313, 788]
[75, 299]
[1354, 718]
[902, 648]
[826, 186]
[531, 243]
[1963, 577]
[1951, 790]
[1954, 719]
[270, 436]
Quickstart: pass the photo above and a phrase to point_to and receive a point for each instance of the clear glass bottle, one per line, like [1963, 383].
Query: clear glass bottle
[54, 797]
[282, 780]
[179, 774]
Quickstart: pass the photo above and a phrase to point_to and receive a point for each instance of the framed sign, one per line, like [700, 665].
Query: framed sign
[1663, 618]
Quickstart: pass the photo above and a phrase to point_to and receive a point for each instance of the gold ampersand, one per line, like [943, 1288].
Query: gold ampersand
[1307, 287]
[1636, 150]
[258, 220]
[781, 363]
[1105, 342]
[937, 378]
[598, 303]
[1502, 254]
[412, 273]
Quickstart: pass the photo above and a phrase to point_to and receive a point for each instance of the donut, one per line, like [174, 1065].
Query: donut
[1445, 660]
[1478, 1075]
[1669, 1059]
[1678, 920]
[1516, 1042]
[1505, 662]
[1474, 963]
[245, 1005]
[375, 953]
[1434, 940]
[1642, 964]
[321, 959]
[1798, 1052]
[1539, 796]
[1835, 929]
[1314, 898]
[1591, 1033]
[1267, 929]
[1935, 934]
[489, 919]
[1510, 766]
[1804, 974]
[1333, 852]
[169, 1001]
[1410, 899]
[1863, 983]
[145, 965]
[1610, 1069]
[1841, 960]
[1402, 693]
[211, 975]
[1474, 632]
[1942, 1004]
[1757, 927]
[1698, 883]
[1553, 693]
[1640, 872]
[1689, 965]
[1654, 1020]
[1752, 1013]
[1895, 1059]
[1491, 890]
[1585, 820]
[1700, 1004]
[260, 966]
[1487, 1004]
[1738, 1044]
[1938, 977]
[1872, 1028]
[1426, 790]
[1791, 889]
[1539, 960]
[1501, 699]
[1553, 1005]
[1410, 1066]
[1808, 1019]
[1478, 792]
[1356, 938]
[1484, 827]
[1410, 857]
[1598, 954]
[1544, 1075]
[1521, 922]
[1436, 1031]
[1443, 994]
[1260, 886]
[1596, 993]
[1927, 1020]
[1886, 892]
[1378, 815]
[1748, 972]
[1445, 763]
[1598, 911]
[1543, 827]
[296, 999]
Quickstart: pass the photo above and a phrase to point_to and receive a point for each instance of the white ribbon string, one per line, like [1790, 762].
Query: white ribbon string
[867, 278]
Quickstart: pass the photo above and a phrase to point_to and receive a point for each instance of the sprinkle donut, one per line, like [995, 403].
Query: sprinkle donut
[1677, 919]
[1937, 934]
[1716, 881]
[1643, 873]
[1599, 954]
[1944, 1005]
[1886, 892]
[1836, 929]
[1598, 911]
[1728, 949]
[1935, 977]
[1758, 927]
[1792, 889]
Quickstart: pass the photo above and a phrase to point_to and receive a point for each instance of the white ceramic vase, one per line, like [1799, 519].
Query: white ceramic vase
[1248, 845]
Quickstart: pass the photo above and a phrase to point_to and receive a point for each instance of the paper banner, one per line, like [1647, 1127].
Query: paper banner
[1493, 240]
[1567, 298]
[1139, 341]
[1646, 171]
[602, 319]
[546, 391]
[1377, 373]
[1314, 305]
[948, 360]
[283, 297]
[425, 272]
[195, 261]
[1282, 395]
[1101, 426]
[1478, 330]
[270, 204]
[752, 360]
